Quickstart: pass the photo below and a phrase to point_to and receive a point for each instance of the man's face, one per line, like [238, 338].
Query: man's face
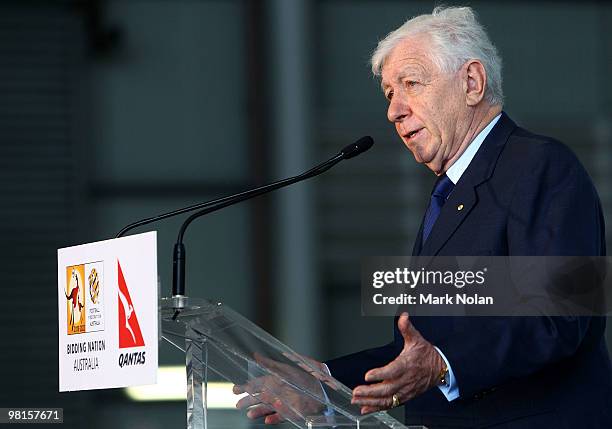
[426, 105]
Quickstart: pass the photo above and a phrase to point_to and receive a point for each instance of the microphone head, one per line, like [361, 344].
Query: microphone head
[358, 147]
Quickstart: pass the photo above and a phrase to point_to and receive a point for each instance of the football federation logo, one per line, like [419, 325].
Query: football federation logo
[94, 286]
[129, 329]
[75, 299]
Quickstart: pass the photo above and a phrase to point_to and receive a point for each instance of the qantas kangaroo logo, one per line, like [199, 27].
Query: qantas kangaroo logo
[129, 329]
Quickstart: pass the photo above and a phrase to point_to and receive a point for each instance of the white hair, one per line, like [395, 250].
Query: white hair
[456, 37]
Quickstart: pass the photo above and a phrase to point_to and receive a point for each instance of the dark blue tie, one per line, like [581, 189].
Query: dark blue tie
[439, 195]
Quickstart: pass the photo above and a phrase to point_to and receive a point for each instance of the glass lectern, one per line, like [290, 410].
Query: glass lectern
[217, 339]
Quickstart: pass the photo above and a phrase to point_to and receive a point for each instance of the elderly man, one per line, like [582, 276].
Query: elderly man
[500, 191]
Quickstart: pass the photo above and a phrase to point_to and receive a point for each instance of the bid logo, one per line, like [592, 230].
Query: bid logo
[75, 299]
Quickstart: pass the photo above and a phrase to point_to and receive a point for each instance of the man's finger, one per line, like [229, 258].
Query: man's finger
[273, 419]
[378, 390]
[373, 402]
[368, 409]
[260, 411]
[390, 371]
[406, 328]
[253, 386]
[271, 398]
[247, 401]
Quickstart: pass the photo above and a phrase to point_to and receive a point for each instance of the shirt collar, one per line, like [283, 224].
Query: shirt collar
[456, 170]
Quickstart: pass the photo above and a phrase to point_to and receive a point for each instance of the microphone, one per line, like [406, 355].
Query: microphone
[178, 281]
[356, 148]
[347, 152]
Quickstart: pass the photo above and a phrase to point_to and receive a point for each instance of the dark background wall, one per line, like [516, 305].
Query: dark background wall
[115, 110]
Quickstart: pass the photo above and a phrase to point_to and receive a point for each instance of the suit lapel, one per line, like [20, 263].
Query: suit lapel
[418, 241]
[450, 218]
[464, 198]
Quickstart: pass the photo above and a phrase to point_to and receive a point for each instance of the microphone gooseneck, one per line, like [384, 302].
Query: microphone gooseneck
[179, 254]
[350, 151]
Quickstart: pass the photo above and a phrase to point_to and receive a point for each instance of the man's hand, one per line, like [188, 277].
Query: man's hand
[415, 370]
[274, 397]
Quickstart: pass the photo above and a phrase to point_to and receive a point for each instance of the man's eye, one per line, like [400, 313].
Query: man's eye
[412, 83]
[389, 95]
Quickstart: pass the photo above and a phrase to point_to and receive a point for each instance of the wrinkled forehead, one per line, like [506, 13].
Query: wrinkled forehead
[412, 56]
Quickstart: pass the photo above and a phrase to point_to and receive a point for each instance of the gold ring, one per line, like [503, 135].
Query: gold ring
[396, 401]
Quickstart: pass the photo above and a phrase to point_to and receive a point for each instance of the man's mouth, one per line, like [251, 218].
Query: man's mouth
[412, 134]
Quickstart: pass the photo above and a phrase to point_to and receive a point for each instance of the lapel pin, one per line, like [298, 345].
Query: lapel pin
[460, 207]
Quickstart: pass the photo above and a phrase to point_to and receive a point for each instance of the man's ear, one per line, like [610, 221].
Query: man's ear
[475, 82]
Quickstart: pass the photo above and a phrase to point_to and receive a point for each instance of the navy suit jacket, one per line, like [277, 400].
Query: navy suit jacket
[523, 194]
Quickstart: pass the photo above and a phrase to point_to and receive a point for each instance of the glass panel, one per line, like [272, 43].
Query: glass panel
[267, 370]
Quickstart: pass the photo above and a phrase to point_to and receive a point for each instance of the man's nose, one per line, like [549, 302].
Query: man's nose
[398, 109]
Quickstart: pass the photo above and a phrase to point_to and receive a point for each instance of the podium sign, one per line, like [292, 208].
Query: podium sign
[108, 315]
